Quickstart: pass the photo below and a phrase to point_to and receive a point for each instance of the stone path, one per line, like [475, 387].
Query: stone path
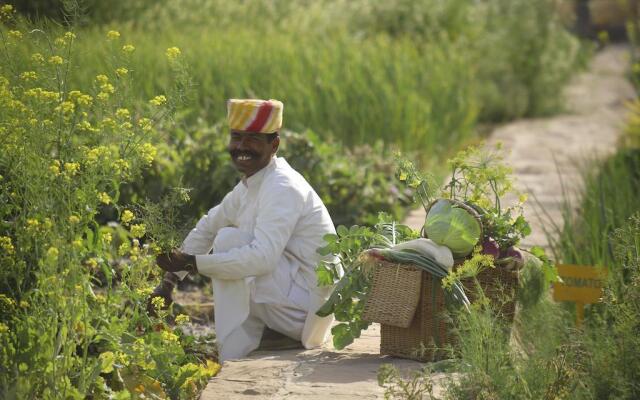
[540, 148]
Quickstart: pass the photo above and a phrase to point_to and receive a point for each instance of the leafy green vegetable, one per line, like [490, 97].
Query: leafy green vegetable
[452, 226]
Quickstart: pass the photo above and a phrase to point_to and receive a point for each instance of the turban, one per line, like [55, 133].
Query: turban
[251, 115]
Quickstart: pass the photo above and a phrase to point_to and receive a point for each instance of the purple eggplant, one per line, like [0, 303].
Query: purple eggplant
[490, 247]
[516, 254]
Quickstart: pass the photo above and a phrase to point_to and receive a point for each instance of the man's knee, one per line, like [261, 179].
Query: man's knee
[229, 238]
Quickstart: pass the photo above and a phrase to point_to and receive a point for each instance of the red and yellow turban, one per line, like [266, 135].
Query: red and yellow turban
[251, 115]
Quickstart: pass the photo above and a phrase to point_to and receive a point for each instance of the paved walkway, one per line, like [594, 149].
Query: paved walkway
[540, 148]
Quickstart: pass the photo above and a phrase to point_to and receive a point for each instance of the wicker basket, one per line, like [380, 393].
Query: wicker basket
[426, 338]
[394, 295]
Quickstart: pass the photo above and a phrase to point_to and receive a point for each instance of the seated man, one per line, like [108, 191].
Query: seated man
[264, 236]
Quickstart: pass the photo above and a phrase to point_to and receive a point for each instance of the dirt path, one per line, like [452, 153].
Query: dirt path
[539, 150]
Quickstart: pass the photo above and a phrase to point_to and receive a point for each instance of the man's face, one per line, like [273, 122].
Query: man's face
[250, 152]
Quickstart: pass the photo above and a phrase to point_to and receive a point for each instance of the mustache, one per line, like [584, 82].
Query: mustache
[238, 153]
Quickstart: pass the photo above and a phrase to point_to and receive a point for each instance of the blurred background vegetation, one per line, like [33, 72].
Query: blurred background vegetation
[420, 76]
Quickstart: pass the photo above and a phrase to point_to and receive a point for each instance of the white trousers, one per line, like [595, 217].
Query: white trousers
[240, 335]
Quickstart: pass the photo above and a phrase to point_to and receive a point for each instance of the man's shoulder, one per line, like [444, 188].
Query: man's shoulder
[283, 173]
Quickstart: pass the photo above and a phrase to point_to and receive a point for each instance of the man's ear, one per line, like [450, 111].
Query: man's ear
[275, 144]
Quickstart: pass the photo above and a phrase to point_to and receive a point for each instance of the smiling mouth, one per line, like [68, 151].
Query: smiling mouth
[244, 158]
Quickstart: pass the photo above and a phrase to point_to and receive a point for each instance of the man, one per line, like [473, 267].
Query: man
[264, 236]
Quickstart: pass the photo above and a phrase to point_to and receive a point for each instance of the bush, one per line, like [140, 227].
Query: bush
[64, 152]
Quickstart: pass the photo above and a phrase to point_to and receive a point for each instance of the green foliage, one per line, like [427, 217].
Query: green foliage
[164, 222]
[613, 334]
[610, 197]
[417, 387]
[355, 185]
[416, 73]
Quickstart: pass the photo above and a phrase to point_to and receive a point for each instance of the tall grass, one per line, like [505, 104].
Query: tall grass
[416, 73]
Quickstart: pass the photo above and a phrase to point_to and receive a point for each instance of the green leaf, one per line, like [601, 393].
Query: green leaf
[330, 238]
[342, 336]
[324, 251]
[326, 309]
[324, 276]
[342, 231]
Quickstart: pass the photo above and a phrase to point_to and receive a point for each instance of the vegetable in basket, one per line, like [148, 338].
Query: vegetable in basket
[450, 225]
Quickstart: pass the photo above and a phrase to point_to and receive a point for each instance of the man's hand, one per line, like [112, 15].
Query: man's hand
[177, 261]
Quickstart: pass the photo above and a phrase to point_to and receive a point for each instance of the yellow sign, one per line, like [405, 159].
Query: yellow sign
[581, 284]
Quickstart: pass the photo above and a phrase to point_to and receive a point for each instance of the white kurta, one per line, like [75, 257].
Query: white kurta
[263, 271]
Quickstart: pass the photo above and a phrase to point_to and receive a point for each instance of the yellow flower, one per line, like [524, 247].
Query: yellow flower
[17, 35]
[6, 9]
[108, 123]
[54, 168]
[182, 319]
[92, 263]
[145, 124]
[55, 60]
[69, 35]
[138, 230]
[37, 57]
[523, 197]
[144, 292]
[85, 100]
[102, 79]
[107, 88]
[107, 238]
[104, 198]
[123, 113]
[121, 71]
[77, 243]
[403, 176]
[103, 96]
[113, 35]
[52, 253]
[157, 302]
[29, 76]
[85, 126]
[128, 48]
[74, 219]
[127, 216]
[148, 152]
[60, 42]
[158, 100]
[167, 336]
[66, 107]
[6, 245]
[121, 166]
[33, 223]
[123, 249]
[173, 53]
[106, 361]
[71, 168]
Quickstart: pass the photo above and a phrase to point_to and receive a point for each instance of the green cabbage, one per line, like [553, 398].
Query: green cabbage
[452, 226]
